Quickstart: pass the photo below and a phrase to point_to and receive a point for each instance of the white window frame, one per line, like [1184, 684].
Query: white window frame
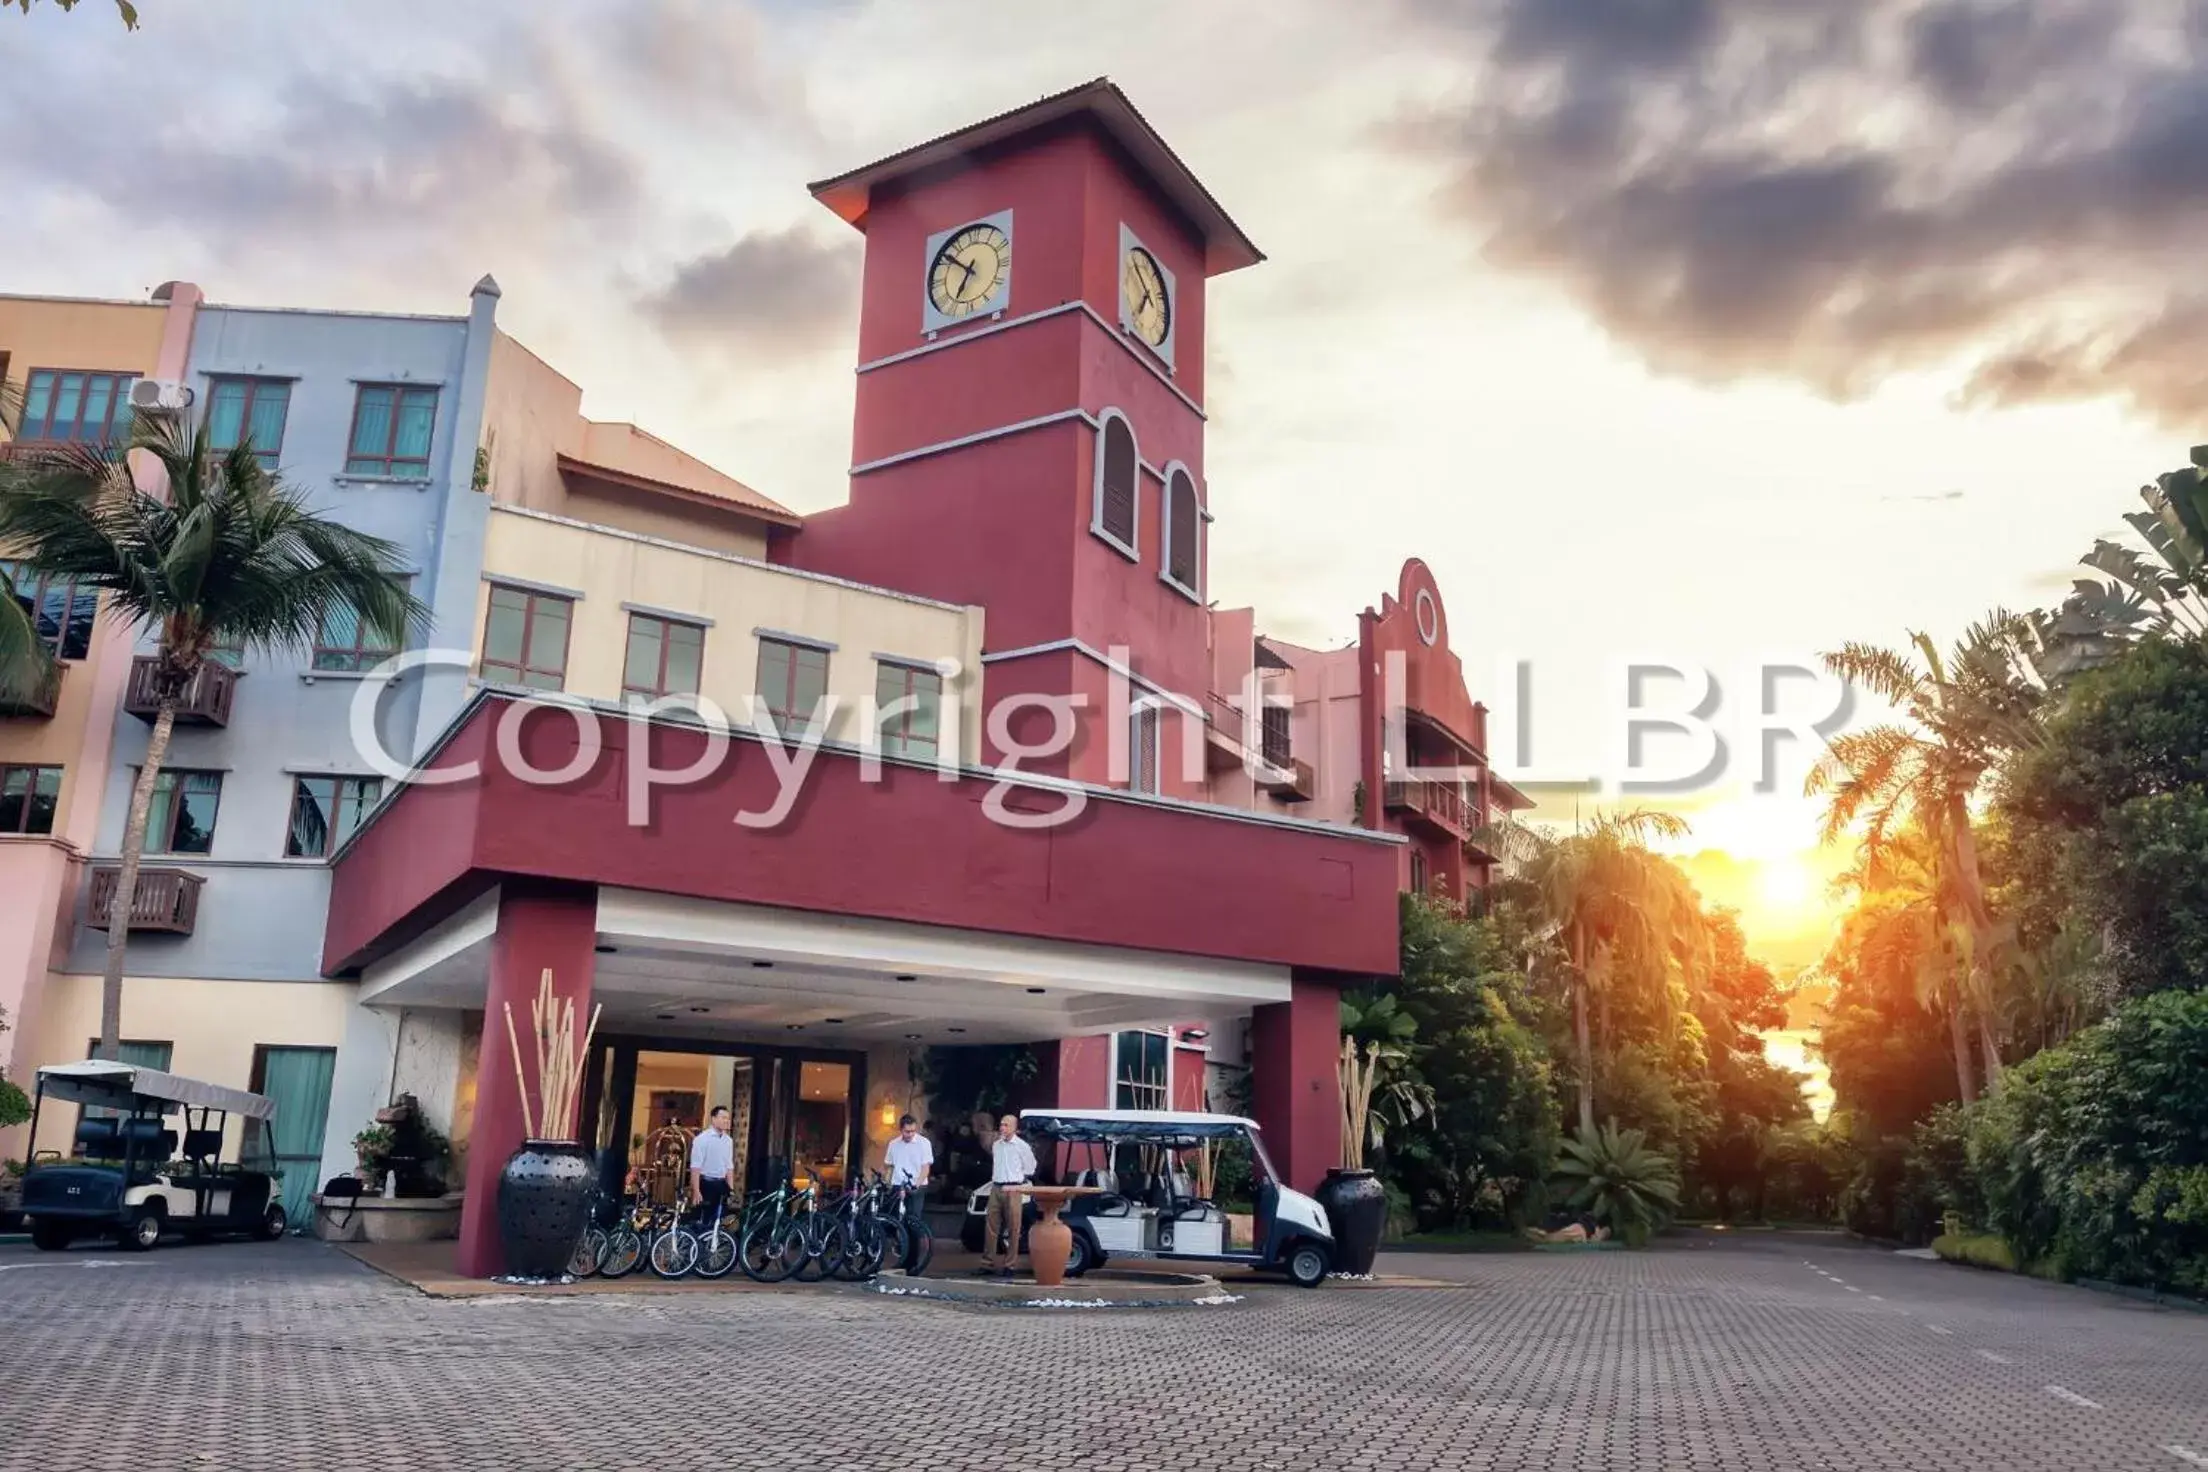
[1165, 531]
[1132, 549]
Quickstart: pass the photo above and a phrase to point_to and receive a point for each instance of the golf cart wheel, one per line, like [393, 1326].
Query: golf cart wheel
[273, 1224]
[1307, 1264]
[49, 1236]
[146, 1228]
[1079, 1258]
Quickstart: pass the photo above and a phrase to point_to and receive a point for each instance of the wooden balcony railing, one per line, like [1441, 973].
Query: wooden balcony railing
[1292, 782]
[166, 899]
[205, 701]
[35, 704]
[1440, 804]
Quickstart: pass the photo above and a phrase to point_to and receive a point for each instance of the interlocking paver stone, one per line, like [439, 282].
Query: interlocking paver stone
[1704, 1353]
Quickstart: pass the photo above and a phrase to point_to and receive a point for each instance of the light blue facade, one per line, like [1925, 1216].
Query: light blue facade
[261, 914]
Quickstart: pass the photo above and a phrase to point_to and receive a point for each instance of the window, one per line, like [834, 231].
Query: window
[1183, 533]
[60, 608]
[1139, 1074]
[242, 409]
[346, 642]
[27, 798]
[1273, 735]
[1418, 872]
[911, 703]
[1142, 758]
[1116, 472]
[665, 657]
[67, 407]
[392, 425]
[182, 818]
[136, 1053]
[793, 678]
[525, 638]
[325, 811]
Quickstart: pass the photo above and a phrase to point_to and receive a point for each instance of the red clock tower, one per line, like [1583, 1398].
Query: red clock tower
[1029, 433]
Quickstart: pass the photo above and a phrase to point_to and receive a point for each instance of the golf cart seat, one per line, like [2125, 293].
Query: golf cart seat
[1107, 1201]
[202, 1144]
[154, 1141]
[99, 1139]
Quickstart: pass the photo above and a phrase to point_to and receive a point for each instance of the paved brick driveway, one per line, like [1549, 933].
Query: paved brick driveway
[1789, 1353]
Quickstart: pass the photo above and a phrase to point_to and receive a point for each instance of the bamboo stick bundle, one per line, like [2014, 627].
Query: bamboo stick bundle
[560, 1060]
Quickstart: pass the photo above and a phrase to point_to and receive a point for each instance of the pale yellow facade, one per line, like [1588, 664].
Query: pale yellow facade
[610, 573]
[212, 1027]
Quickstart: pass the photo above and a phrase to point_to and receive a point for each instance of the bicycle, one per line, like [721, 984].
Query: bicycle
[767, 1249]
[910, 1239]
[679, 1251]
[590, 1248]
[626, 1243]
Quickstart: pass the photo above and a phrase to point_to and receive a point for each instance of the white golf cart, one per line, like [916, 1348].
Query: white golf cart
[1146, 1205]
[130, 1177]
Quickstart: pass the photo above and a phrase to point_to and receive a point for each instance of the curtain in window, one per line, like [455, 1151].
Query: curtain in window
[417, 417]
[372, 423]
[270, 403]
[226, 415]
[297, 1081]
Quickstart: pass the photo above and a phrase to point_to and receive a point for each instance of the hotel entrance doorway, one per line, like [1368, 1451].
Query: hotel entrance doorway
[794, 1112]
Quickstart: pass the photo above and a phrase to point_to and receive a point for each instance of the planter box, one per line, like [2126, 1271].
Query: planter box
[401, 1219]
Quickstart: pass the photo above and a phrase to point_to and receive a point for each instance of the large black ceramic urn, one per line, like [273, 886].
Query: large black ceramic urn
[543, 1203]
[1357, 1212]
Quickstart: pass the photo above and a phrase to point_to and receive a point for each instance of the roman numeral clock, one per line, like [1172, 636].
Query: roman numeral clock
[969, 272]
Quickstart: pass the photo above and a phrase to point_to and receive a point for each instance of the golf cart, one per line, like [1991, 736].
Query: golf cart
[1146, 1205]
[128, 1178]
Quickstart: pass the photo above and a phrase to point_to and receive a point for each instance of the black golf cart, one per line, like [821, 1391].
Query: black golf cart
[130, 1176]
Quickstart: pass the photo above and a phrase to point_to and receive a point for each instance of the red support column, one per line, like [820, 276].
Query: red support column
[1296, 1083]
[541, 923]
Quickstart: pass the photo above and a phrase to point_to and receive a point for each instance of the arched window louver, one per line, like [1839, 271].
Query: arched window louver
[1183, 529]
[1115, 512]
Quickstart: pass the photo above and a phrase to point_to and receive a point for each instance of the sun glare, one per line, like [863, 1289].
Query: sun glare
[1786, 885]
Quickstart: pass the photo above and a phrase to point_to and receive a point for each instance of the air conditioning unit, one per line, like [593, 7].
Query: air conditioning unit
[160, 393]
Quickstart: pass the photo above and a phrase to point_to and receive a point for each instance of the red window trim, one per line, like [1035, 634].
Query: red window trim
[779, 705]
[391, 439]
[661, 691]
[268, 455]
[901, 723]
[122, 376]
[522, 667]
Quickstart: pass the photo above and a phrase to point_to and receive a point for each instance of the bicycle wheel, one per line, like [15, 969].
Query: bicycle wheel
[820, 1239]
[920, 1250]
[590, 1251]
[674, 1252]
[717, 1253]
[862, 1250]
[624, 1252]
[896, 1245]
[770, 1250]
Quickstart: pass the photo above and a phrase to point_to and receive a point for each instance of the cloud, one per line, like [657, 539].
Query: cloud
[782, 291]
[1835, 192]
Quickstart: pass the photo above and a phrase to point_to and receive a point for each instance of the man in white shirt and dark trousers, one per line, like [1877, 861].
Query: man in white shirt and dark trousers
[712, 1159]
[910, 1160]
[1011, 1166]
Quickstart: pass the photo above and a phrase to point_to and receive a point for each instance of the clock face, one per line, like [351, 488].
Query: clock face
[966, 273]
[1143, 293]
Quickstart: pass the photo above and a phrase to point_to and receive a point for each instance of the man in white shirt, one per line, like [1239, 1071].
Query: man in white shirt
[910, 1160]
[1011, 1166]
[712, 1159]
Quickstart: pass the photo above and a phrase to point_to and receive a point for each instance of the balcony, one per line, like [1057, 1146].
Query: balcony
[167, 900]
[1440, 805]
[1293, 781]
[37, 705]
[205, 701]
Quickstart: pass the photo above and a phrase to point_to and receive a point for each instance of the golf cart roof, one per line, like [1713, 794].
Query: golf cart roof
[1137, 1126]
[123, 1086]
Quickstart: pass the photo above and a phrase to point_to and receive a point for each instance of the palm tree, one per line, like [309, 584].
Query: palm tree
[231, 558]
[1618, 1179]
[1961, 715]
[25, 662]
[1602, 890]
[1902, 925]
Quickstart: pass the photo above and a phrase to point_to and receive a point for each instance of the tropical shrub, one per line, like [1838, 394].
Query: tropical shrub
[1613, 1175]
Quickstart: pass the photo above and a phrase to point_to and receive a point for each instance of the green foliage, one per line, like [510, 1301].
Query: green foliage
[1614, 1175]
[123, 8]
[15, 1105]
[2116, 805]
[981, 1078]
[1979, 1249]
[1487, 1147]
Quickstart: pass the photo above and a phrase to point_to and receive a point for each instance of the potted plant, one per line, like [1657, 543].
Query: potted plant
[372, 1147]
[1375, 1086]
[544, 1190]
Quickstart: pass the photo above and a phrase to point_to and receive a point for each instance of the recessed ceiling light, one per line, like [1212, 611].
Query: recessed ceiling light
[1034, 991]
[796, 1027]
[666, 1017]
[834, 1021]
[609, 950]
[906, 976]
[912, 1037]
[954, 1029]
[700, 1010]
[762, 965]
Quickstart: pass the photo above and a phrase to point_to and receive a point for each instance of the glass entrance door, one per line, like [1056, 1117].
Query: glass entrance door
[809, 1120]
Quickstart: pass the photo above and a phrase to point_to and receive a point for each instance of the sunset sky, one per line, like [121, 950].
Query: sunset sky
[1703, 330]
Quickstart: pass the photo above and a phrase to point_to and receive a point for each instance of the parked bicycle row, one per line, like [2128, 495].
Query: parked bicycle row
[783, 1234]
